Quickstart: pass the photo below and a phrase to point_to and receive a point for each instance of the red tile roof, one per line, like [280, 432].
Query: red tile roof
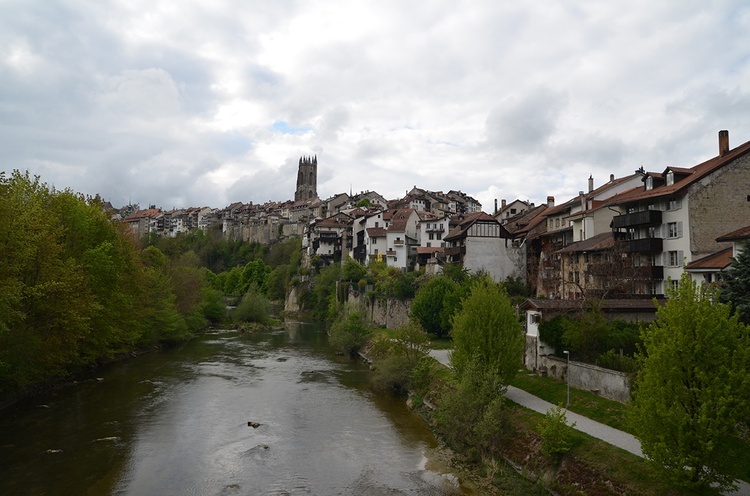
[717, 261]
[738, 235]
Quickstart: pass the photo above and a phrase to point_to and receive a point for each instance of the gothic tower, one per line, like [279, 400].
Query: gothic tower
[307, 179]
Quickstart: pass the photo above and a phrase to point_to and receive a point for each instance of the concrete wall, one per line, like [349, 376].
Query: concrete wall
[607, 383]
[496, 256]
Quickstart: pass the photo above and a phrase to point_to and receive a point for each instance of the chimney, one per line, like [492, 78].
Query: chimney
[591, 183]
[550, 201]
[502, 203]
[611, 177]
[723, 143]
[495, 205]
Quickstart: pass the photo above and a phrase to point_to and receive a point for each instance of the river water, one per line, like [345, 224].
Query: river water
[176, 423]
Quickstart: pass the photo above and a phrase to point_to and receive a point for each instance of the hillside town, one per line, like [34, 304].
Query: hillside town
[625, 238]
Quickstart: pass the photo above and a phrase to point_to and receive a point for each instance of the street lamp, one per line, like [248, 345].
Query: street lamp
[567, 376]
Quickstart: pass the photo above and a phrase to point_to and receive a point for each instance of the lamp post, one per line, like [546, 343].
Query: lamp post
[567, 376]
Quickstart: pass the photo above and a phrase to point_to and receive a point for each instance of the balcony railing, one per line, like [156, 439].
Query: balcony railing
[646, 245]
[637, 219]
[391, 253]
[455, 250]
[398, 242]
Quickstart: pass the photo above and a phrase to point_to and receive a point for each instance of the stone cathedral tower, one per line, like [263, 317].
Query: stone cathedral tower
[307, 179]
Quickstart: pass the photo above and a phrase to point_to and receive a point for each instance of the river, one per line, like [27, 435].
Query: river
[178, 422]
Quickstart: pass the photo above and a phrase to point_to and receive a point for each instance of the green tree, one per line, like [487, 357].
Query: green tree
[397, 357]
[350, 329]
[585, 336]
[353, 271]
[435, 303]
[487, 333]
[254, 307]
[736, 287]
[692, 387]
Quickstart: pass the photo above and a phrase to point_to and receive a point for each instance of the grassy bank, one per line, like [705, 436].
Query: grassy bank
[734, 453]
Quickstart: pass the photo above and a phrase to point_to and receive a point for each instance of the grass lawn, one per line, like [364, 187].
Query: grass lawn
[608, 412]
[734, 453]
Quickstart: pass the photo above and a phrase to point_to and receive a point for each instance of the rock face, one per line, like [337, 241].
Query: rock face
[291, 303]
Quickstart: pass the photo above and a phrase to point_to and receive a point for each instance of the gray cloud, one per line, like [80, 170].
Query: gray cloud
[208, 103]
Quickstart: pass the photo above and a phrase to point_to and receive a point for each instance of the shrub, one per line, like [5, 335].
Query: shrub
[254, 307]
[349, 330]
[556, 434]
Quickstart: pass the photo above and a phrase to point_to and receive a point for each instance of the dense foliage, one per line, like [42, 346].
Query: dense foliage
[74, 290]
[692, 388]
[591, 338]
[487, 335]
[736, 287]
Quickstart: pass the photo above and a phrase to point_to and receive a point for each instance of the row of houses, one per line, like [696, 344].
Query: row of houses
[630, 237]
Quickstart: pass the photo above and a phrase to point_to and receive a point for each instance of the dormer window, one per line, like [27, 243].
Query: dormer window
[670, 178]
[649, 183]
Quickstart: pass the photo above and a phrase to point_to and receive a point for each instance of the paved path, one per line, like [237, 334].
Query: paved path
[608, 434]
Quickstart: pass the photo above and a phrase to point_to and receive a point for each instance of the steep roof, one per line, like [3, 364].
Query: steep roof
[692, 175]
[715, 261]
[738, 235]
[376, 232]
[464, 222]
[399, 219]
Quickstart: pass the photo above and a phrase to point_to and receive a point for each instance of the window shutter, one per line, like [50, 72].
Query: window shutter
[680, 258]
[665, 259]
[679, 229]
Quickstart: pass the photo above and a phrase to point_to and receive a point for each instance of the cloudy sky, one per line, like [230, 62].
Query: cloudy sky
[188, 103]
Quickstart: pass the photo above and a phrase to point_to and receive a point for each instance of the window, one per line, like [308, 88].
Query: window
[557, 222]
[674, 204]
[377, 224]
[432, 236]
[649, 182]
[670, 178]
[674, 258]
[429, 244]
[674, 230]
[675, 283]
[439, 235]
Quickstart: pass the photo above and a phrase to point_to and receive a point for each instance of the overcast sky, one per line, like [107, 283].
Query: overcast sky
[192, 103]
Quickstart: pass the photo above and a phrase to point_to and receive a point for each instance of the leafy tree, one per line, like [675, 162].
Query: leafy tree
[487, 333]
[736, 287]
[254, 307]
[254, 273]
[551, 331]
[435, 304]
[692, 388]
[353, 271]
[398, 356]
[277, 282]
[585, 336]
[364, 202]
[350, 329]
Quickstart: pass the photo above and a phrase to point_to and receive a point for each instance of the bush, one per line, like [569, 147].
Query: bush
[349, 330]
[614, 361]
[556, 434]
[254, 307]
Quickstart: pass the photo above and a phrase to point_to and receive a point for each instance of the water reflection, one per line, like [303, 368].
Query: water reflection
[176, 422]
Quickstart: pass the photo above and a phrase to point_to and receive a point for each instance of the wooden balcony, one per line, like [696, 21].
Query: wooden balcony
[643, 218]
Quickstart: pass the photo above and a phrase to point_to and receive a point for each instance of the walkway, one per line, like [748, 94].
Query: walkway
[608, 434]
